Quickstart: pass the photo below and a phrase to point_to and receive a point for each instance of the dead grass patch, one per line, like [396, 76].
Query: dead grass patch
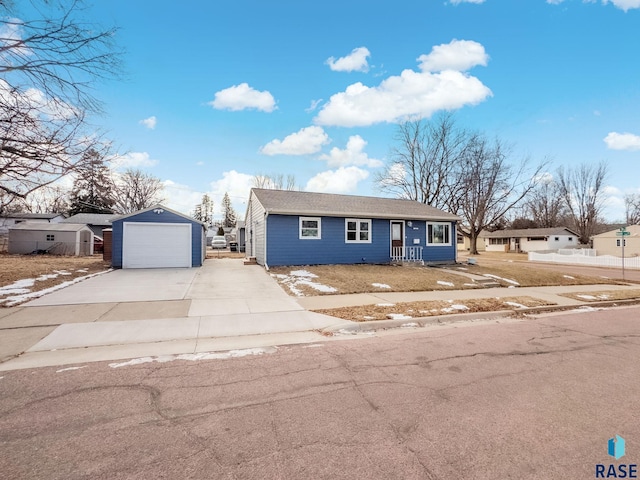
[219, 253]
[530, 276]
[604, 295]
[431, 308]
[21, 267]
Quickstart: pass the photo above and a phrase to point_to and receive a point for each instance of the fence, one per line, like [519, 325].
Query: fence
[53, 248]
[406, 254]
[586, 259]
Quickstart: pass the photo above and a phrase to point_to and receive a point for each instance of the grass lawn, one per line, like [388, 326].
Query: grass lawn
[342, 279]
[410, 310]
[604, 295]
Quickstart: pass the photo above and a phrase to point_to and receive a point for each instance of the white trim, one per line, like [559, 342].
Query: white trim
[447, 225]
[404, 234]
[312, 219]
[358, 231]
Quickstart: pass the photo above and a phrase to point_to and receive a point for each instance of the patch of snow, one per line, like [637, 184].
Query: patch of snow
[471, 285]
[454, 308]
[569, 277]
[62, 272]
[380, 285]
[314, 345]
[317, 286]
[398, 316]
[385, 304]
[279, 275]
[587, 297]
[604, 297]
[587, 308]
[69, 369]
[303, 273]
[514, 304]
[446, 284]
[48, 276]
[344, 331]
[462, 268]
[19, 286]
[367, 317]
[195, 356]
[409, 325]
[500, 278]
[82, 270]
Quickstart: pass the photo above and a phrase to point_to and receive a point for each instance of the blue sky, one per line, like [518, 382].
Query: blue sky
[216, 92]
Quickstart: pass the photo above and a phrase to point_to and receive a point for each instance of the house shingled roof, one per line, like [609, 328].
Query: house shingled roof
[287, 202]
[528, 232]
[100, 219]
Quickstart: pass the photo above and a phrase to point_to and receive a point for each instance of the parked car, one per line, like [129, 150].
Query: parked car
[218, 242]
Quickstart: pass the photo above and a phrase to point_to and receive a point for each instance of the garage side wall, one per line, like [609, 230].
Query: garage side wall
[197, 235]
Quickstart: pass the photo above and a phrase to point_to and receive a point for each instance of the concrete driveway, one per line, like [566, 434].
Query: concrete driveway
[131, 313]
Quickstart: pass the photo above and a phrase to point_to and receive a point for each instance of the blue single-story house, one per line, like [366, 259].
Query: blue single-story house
[304, 228]
[157, 237]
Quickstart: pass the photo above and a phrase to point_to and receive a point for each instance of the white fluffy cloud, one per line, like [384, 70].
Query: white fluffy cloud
[132, 160]
[412, 95]
[150, 122]
[622, 141]
[181, 198]
[624, 4]
[306, 141]
[342, 180]
[243, 97]
[457, 2]
[356, 61]
[237, 185]
[352, 155]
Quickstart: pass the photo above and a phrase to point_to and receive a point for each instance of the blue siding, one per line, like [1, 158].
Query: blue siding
[198, 239]
[441, 253]
[284, 247]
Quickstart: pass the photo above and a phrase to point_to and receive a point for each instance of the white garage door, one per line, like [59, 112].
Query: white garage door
[156, 245]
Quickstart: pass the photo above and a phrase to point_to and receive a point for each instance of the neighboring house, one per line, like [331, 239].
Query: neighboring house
[240, 233]
[464, 242]
[10, 219]
[610, 243]
[95, 221]
[304, 228]
[54, 238]
[529, 239]
[157, 237]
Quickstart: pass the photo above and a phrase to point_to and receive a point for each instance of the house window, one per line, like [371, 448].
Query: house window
[438, 234]
[537, 239]
[571, 239]
[310, 228]
[557, 239]
[51, 238]
[498, 241]
[357, 230]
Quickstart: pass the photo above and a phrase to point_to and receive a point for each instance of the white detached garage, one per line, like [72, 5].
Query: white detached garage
[157, 237]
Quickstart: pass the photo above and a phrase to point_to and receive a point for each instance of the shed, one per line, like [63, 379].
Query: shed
[304, 228]
[157, 237]
[54, 238]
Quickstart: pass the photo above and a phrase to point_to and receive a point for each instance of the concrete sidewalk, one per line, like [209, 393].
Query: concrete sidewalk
[221, 306]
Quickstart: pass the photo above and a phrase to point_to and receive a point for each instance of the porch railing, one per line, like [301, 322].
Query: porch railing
[407, 254]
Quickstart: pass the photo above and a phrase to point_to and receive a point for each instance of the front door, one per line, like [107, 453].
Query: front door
[397, 239]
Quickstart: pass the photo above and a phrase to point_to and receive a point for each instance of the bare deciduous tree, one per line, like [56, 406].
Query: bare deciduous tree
[582, 190]
[426, 162]
[545, 205]
[136, 190]
[632, 208]
[275, 182]
[491, 185]
[48, 67]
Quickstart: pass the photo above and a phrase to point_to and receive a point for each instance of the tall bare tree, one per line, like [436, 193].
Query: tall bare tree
[136, 190]
[426, 162]
[275, 182]
[632, 208]
[545, 205]
[491, 185]
[49, 64]
[583, 192]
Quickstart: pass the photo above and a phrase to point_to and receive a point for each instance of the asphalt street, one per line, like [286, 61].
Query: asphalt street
[531, 398]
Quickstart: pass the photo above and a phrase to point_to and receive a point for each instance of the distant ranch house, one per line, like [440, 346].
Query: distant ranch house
[529, 240]
[304, 228]
[611, 242]
[10, 219]
[52, 238]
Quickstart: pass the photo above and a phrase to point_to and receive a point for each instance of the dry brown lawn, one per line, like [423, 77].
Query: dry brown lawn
[21, 267]
[431, 308]
[360, 278]
[604, 295]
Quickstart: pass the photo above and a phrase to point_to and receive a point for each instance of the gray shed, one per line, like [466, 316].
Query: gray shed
[54, 238]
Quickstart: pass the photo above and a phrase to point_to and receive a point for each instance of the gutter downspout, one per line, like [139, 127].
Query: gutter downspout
[266, 215]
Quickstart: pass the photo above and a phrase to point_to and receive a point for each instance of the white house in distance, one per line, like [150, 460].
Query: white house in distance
[610, 243]
[10, 219]
[529, 240]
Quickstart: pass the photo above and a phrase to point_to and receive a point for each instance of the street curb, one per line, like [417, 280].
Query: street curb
[355, 327]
